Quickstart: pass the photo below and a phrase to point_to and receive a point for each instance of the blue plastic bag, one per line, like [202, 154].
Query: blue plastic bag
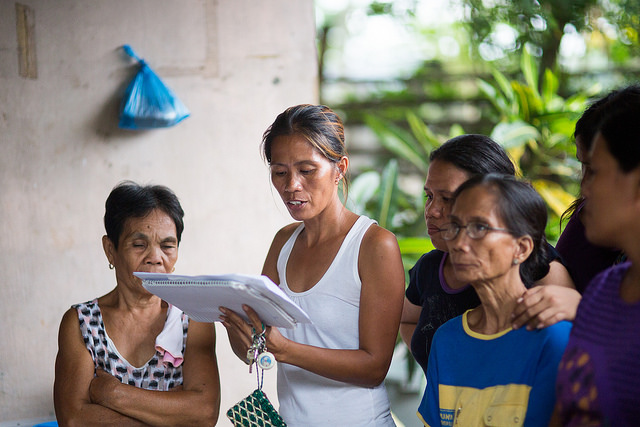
[148, 103]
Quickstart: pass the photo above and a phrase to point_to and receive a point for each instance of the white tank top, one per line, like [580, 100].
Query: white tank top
[333, 304]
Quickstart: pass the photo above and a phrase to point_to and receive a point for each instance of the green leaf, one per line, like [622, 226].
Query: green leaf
[530, 71]
[553, 194]
[398, 141]
[549, 86]
[415, 245]
[498, 100]
[424, 136]
[514, 134]
[504, 85]
[387, 197]
[362, 189]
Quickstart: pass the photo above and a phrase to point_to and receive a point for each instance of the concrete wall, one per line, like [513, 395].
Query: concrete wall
[236, 64]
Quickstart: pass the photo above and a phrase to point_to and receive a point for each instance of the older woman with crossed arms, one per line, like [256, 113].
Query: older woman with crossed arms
[129, 358]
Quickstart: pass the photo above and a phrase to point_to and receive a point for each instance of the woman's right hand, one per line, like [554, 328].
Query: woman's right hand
[238, 331]
[241, 333]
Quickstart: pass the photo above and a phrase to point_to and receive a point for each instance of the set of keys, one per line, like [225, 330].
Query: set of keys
[258, 353]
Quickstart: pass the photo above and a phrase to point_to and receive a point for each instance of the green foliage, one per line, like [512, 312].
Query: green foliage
[535, 125]
[413, 146]
[533, 122]
[378, 196]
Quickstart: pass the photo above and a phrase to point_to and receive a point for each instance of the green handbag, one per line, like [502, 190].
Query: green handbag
[255, 410]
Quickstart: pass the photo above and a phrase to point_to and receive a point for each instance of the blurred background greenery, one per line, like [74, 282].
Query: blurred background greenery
[406, 75]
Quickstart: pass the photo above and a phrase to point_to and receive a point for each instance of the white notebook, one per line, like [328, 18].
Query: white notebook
[201, 296]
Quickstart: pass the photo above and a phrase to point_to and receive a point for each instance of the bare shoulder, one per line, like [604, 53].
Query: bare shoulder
[69, 320]
[285, 232]
[377, 238]
[380, 265]
[269, 267]
[379, 250]
[282, 236]
[71, 345]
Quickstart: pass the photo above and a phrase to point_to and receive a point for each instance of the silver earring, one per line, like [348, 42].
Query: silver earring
[516, 261]
[110, 266]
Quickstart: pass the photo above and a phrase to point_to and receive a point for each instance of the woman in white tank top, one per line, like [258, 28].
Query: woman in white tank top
[343, 269]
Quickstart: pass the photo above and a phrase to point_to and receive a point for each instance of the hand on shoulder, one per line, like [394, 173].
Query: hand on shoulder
[543, 306]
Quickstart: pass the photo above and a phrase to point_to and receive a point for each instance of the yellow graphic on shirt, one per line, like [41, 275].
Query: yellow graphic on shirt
[502, 405]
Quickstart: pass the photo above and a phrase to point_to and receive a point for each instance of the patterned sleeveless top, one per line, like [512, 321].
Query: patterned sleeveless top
[154, 375]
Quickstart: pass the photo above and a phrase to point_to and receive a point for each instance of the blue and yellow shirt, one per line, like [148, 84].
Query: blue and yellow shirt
[506, 379]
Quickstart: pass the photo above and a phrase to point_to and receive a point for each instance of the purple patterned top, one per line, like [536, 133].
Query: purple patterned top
[597, 381]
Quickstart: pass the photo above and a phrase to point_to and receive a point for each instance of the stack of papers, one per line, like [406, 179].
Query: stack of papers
[201, 296]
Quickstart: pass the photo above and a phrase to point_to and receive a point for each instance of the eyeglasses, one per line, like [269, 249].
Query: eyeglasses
[475, 230]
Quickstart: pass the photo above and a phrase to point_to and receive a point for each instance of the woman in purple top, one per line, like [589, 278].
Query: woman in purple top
[597, 378]
[583, 259]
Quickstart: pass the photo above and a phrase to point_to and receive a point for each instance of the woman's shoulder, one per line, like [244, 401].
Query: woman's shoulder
[376, 232]
[557, 335]
[377, 238]
[285, 233]
[562, 327]
[289, 229]
[434, 256]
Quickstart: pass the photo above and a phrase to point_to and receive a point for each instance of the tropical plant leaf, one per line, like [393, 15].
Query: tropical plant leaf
[514, 134]
[424, 136]
[530, 71]
[553, 194]
[415, 245]
[387, 194]
[504, 85]
[491, 93]
[549, 87]
[516, 154]
[398, 141]
[362, 189]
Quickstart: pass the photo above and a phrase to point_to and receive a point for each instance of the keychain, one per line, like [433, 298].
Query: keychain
[258, 353]
[266, 360]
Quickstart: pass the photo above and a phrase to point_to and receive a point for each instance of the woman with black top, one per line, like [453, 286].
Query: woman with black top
[434, 295]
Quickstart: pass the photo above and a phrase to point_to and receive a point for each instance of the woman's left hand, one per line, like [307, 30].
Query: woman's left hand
[543, 306]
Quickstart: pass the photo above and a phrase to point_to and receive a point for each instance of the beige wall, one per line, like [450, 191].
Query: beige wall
[234, 63]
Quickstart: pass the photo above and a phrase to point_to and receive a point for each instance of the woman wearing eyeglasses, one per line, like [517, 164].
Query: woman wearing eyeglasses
[434, 294]
[481, 371]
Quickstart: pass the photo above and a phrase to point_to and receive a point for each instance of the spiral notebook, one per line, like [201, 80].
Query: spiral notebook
[201, 296]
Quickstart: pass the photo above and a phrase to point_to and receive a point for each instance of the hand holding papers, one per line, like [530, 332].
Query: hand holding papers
[201, 296]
